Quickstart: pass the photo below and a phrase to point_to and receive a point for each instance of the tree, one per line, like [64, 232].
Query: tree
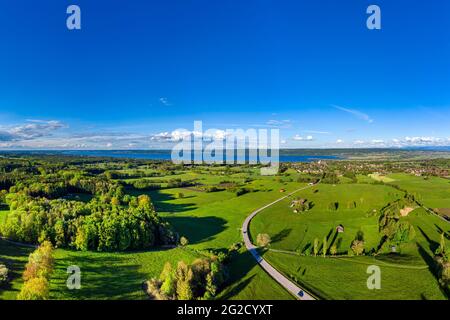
[3, 274]
[357, 247]
[316, 247]
[351, 205]
[333, 206]
[333, 250]
[200, 269]
[184, 241]
[168, 279]
[115, 201]
[200, 280]
[263, 239]
[144, 200]
[60, 237]
[442, 250]
[34, 289]
[37, 273]
[324, 247]
[166, 271]
[40, 262]
[184, 276]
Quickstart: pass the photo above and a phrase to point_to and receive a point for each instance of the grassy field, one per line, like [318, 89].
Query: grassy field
[249, 282]
[112, 275]
[428, 229]
[433, 192]
[209, 220]
[345, 278]
[103, 275]
[408, 275]
[14, 257]
[295, 231]
[212, 221]
[379, 177]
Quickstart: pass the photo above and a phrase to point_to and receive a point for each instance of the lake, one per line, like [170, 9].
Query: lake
[156, 154]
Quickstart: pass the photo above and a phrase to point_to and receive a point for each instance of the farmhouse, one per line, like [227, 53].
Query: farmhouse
[340, 228]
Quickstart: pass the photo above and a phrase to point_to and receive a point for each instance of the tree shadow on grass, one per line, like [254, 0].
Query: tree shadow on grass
[336, 234]
[236, 288]
[102, 277]
[329, 234]
[440, 230]
[14, 257]
[280, 236]
[161, 202]
[238, 268]
[433, 245]
[433, 267]
[197, 229]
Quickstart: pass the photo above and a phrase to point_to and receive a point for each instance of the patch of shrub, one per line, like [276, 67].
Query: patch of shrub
[263, 240]
[357, 247]
[201, 280]
[143, 184]
[333, 206]
[184, 241]
[242, 191]
[3, 274]
[37, 273]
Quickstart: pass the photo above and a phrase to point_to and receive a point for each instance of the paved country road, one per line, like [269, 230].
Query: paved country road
[293, 288]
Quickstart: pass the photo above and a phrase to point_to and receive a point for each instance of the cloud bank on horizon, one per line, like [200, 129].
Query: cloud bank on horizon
[53, 134]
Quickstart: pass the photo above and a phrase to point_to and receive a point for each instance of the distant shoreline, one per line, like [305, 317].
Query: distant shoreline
[286, 155]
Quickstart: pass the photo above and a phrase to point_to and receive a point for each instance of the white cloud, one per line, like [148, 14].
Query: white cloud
[32, 129]
[339, 141]
[317, 132]
[165, 101]
[358, 114]
[416, 141]
[300, 138]
[422, 140]
[178, 135]
[280, 123]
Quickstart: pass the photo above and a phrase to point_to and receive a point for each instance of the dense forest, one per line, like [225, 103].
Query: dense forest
[40, 197]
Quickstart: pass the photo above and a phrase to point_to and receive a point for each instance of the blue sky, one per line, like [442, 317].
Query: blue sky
[139, 70]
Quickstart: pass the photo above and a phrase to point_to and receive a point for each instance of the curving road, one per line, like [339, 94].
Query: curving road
[293, 288]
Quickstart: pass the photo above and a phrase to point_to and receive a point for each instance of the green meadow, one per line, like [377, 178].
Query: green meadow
[346, 278]
[408, 274]
[14, 257]
[433, 192]
[211, 221]
[297, 231]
